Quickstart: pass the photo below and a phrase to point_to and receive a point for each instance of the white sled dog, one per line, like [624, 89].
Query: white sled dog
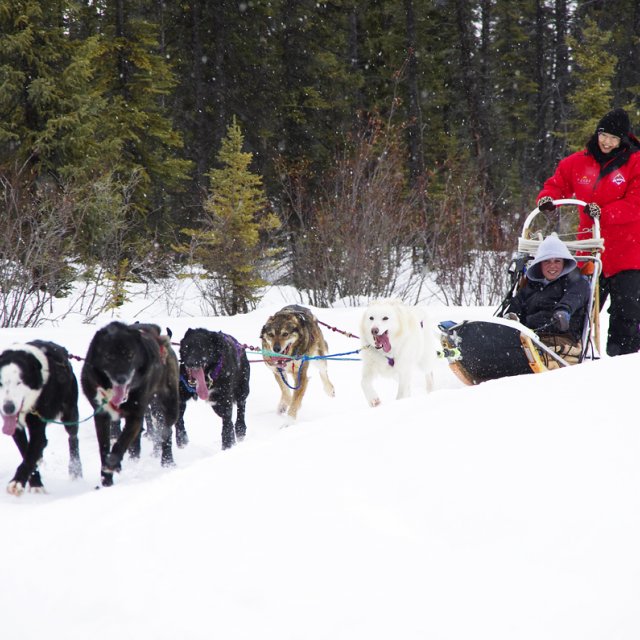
[395, 339]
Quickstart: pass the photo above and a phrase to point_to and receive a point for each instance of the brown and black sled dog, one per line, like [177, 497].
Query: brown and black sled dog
[131, 371]
[287, 337]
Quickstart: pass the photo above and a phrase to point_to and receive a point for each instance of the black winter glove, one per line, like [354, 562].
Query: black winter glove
[592, 210]
[546, 204]
[560, 320]
[537, 320]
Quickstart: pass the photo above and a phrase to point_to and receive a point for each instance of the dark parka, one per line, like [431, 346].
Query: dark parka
[536, 302]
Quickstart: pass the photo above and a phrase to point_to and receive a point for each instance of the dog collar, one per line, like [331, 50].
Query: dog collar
[186, 384]
[216, 372]
[106, 402]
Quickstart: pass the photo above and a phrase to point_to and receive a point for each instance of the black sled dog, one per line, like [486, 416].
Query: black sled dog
[217, 367]
[37, 385]
[131, 371]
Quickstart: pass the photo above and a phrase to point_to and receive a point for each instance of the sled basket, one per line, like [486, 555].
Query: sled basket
[482, 350]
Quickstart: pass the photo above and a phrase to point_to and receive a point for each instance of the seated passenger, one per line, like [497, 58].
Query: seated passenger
[553, 302]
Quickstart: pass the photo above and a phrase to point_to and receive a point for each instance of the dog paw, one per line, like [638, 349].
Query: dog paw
[282, 407]
[37, 490]
[376, 402]
[15, 488]
[75, 470]
[111, 464]
[107, 479]
[182, 440]
[287, 421]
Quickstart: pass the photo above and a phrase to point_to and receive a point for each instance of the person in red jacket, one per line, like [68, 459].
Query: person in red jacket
[606, 175]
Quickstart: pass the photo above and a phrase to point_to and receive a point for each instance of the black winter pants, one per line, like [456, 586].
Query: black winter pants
[624, 311]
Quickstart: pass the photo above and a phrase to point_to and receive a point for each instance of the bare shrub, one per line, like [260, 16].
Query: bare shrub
[56, 233]
[468, 246]
[38, 232]
[354, 235]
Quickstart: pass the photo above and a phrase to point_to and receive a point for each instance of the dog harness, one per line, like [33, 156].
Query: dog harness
[217, 370]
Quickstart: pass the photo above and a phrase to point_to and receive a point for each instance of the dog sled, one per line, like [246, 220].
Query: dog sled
[482, 350]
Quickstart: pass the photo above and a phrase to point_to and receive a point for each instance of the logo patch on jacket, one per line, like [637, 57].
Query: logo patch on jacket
[584, 180]
[618, 179]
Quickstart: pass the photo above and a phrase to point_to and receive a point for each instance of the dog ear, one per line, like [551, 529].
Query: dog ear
[265, 326]
[304, 320]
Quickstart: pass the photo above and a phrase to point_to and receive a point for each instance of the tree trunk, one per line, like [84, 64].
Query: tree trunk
[120, 32]
[414, 127]
[561, 79]
[220, 90]
[470, 90]
[201, 142]
[542, 162]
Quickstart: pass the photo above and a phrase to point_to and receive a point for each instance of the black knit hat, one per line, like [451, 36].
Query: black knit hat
[615, 122]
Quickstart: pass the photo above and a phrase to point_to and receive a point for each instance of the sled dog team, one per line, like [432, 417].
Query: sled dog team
[132, 376]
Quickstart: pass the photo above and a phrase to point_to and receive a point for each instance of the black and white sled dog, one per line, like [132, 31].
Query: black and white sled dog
[396, 338]
[217, 368]
[131, 371]
[37, 385]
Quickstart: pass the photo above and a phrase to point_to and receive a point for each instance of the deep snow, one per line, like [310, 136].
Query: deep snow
[507, 511]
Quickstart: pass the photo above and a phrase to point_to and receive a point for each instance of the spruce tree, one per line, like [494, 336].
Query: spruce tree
[514, 89]
[594, 72]
[135, 79]
[622, 19]
[50, 118]
[228, 243]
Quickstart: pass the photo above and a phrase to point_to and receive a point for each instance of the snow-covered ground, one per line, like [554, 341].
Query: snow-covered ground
[507, 511]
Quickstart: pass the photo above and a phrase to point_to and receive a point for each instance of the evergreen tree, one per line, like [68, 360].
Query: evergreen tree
[134, 77]
[443, 129]
[50, 118]
[53, 145]
[594, 72]
[195, 34]
[622, 19]
[317, 79]
[515, 88]
[81, 93]
[235, 215]
[90, 104]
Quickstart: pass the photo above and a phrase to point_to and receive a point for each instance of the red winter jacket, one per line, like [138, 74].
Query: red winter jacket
[617, 193]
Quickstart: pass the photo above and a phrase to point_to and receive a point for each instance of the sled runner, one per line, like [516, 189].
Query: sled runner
[481, 350]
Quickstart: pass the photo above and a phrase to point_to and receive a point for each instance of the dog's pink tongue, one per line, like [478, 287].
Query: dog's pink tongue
[201, 383]
[120, 394]
[382, 342]
[9, 424]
